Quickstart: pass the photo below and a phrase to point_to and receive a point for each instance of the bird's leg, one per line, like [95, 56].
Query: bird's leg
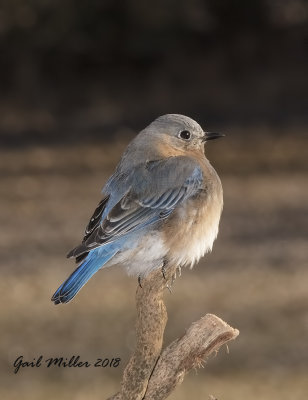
[163, 269]
[174, 276]
[139, 281]
[169, 288]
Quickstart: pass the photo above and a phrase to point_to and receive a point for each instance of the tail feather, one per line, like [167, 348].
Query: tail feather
[95, 260]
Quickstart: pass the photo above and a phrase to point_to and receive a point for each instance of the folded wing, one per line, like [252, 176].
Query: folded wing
[154, 190]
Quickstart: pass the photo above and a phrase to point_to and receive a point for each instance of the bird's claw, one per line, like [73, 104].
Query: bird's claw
[174, 276]
[163, 270]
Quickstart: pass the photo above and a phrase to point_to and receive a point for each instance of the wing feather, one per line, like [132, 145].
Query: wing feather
[154, 192]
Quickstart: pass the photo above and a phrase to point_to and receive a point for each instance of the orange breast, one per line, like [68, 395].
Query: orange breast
[192, 228]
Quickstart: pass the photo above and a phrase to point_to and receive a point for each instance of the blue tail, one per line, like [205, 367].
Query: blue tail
[95, 260]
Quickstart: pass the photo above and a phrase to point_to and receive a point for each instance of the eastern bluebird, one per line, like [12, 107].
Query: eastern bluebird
[161, 206]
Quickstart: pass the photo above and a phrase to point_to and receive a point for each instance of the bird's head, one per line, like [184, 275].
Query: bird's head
[181, 133]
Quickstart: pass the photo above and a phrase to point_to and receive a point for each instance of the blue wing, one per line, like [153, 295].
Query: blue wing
[153, 190]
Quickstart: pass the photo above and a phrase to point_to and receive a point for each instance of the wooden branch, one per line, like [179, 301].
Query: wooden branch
[202, 338]
[150, 374]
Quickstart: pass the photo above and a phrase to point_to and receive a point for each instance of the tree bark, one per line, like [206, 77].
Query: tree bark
[152, 374]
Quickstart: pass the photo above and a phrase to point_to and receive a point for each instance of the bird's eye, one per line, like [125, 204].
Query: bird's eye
[186, 135]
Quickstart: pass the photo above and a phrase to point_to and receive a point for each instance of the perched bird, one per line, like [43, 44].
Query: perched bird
[161, 206]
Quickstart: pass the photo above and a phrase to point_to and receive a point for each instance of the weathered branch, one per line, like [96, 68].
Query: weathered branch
[151, 374]
[202, 338]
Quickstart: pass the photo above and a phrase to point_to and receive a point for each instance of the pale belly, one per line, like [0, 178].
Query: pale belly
[143, 256]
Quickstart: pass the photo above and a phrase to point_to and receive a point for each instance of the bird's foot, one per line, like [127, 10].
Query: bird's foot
[169, 288]
[139, 281]
[174, 276]
[163, 270]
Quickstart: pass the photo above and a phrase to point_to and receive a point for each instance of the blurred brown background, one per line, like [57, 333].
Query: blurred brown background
[78, 80]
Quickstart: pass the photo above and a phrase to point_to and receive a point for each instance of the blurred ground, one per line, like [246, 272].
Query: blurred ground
[255, 279]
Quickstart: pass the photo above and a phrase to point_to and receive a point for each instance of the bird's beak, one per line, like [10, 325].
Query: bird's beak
[211, 135]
